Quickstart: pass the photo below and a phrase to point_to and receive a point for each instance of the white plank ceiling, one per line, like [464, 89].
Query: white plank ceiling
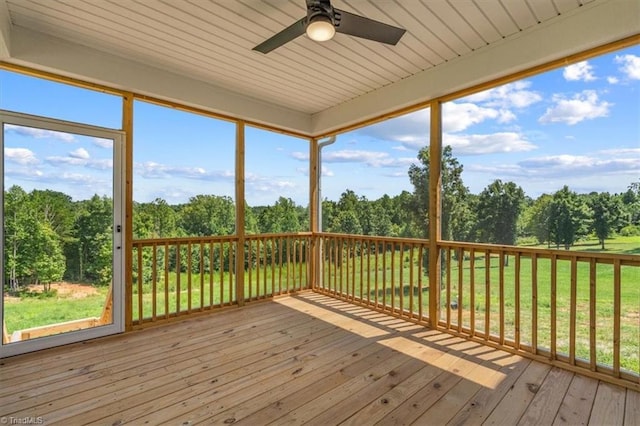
[211, 41]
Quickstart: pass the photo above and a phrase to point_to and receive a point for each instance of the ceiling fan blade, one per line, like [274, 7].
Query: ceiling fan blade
[359, 26]
[291, 32]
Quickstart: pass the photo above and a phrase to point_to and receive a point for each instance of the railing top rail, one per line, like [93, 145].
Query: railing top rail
[545, 253]
[184, 240]
[373, 238]
[278, 235]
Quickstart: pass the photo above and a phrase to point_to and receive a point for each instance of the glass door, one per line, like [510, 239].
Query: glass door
[62, 233]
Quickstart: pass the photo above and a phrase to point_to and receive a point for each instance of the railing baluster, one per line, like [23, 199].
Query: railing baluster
[501, 263]
[420, 254]
[517, 301]
[401, 279]
[140, 279]
[472, 290]
[384, 275]
[178, 269]
[487, 294]
[411, 287]
[201, 275]
[592, 315]
[554, 297]
[211, 268]
[166, 280]
[189, 284]
[154, 281]
[616, 316]
[448, 287]
[460, 287]
[534, 303]
[572, 310]
[393, 282]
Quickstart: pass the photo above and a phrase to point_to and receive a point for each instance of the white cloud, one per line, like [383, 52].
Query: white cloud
[22, 156]
[601, 164]
[630, 66]
[326, 171]
[78, 159]
[302, 156]
[582, 106]
[580, 71]
[32, 132]
[612, 80]
[153, 170]
[80, 153]
[370, 158]
[487, 144]
[511, 95]
[103, 143]
[457, 117]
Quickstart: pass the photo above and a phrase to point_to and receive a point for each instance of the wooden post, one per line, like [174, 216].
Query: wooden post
[240, 207]
[314, 209]
[127, 127]
[435, 178]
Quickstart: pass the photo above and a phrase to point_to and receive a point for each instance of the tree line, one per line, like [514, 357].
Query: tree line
[49, 237]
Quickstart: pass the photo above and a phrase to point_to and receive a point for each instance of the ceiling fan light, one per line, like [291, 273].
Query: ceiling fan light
[320, 28]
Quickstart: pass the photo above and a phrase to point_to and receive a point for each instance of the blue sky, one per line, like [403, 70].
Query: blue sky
[576, 126]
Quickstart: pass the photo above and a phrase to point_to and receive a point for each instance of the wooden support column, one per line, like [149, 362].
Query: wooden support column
[240, 209]
[435, 180]
[314, 210]
[127, 127]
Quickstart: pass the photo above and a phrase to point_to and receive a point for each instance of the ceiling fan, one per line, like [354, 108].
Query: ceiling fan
[323, 21]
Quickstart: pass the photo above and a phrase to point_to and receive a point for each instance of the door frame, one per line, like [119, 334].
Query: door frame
[118, 278]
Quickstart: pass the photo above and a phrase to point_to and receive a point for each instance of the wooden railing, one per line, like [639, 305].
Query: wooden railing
[384, 273]
[577, 310]
[181, 276]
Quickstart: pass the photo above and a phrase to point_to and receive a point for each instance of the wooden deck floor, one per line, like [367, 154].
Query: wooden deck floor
[304, 359]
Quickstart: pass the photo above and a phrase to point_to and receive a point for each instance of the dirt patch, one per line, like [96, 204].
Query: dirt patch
[69, 290]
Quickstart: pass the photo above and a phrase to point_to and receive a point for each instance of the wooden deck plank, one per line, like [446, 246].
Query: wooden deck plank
[306, 358]
[90, 377]
[211, 367]
[576, 405]
[632, 409]
[484, 401]
[608, 406]
[547, 401]
[185, 354]
[518, 398]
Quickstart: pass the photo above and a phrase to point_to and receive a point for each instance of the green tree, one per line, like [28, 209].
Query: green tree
[18, 224]
[498, 208]
[94, 240]
[607, 212]
[538, 219]
[456, 218]
[568, 217]
[162, 218]
[33, 251]
[208, 215]
[282, 217]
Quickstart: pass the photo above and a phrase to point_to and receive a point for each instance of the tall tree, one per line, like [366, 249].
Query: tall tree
[17, 227]
[93, 248]
[498, 208]
[207, 215]
[607, 212]
[568, 216]
[283, 216]
[456, 218]
[538, 221]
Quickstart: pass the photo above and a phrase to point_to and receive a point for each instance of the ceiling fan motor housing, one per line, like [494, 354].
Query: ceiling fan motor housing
[319, 9]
